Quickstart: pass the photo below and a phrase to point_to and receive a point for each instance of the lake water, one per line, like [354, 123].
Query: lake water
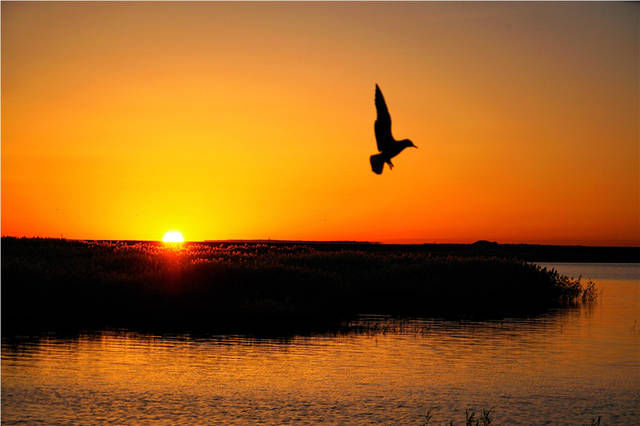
[567, 366]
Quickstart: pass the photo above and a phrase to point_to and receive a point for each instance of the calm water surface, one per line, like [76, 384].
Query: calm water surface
[567, 366]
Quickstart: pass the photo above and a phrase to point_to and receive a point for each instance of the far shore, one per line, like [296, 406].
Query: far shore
[526, 252]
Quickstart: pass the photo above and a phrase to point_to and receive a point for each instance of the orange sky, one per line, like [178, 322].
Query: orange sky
[251, 121]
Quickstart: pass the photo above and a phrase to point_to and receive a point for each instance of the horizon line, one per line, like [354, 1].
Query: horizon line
[340, 242]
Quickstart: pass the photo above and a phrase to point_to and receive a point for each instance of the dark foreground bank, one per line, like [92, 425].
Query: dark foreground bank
[50, 283]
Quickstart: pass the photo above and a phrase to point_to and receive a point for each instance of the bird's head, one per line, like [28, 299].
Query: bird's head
[407, 143]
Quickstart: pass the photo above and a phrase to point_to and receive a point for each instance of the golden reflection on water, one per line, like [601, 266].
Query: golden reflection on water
[566, 366]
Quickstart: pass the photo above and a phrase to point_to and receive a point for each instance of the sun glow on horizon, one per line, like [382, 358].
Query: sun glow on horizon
[173, 237]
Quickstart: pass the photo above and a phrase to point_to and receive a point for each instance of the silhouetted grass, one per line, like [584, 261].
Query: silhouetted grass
[48, 282]
[484, 418]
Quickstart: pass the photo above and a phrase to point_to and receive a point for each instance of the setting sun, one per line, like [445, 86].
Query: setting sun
[173, 237]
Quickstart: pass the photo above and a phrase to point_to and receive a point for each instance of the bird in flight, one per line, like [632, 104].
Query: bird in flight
[387, 145]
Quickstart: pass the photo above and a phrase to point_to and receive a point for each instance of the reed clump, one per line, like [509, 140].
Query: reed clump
[485, 417]
[47, 281]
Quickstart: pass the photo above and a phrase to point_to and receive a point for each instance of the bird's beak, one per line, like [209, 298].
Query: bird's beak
[414, 146]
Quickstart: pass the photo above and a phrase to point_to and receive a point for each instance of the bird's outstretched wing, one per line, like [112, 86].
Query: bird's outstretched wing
[382, 125]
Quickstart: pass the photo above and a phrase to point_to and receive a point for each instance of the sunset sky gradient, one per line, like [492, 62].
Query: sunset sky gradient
[255, 121]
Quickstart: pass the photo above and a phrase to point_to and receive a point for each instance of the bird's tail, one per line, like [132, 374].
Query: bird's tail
[377, 163]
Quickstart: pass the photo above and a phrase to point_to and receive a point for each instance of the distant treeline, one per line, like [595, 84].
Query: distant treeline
[48, 283]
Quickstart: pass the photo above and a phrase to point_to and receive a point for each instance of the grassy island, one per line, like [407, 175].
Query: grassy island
[48, 282]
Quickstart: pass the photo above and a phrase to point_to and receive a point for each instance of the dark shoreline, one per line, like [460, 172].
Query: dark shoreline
[51, 284]
[527, 252]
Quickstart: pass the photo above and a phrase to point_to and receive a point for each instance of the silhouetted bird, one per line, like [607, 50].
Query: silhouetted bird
[387, 145]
